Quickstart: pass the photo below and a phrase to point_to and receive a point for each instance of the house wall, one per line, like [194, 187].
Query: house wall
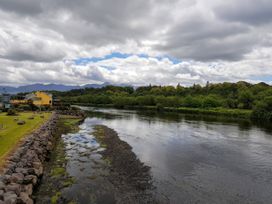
[14, 102]
[45, 99]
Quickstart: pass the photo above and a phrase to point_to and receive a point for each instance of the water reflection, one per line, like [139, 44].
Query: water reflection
[198, 159]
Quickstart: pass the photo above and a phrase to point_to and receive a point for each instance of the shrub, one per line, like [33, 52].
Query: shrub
[11, 112]
[211, 102]
[263, 109]
[192, 102]
[245, 99]
[159, 107]
[24, 107]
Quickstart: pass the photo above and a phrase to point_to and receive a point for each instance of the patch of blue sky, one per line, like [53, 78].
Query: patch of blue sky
[266, 78]
[86, 60]
[172, 59]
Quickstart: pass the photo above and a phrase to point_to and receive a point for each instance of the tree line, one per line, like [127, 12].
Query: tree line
[240, 95]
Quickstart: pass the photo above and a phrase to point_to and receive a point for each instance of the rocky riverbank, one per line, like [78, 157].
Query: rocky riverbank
[131, 178]
[24, 167]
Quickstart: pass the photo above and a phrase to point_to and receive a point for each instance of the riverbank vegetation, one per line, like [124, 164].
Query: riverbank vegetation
[56, 178]
[11, 130]
[239, 99]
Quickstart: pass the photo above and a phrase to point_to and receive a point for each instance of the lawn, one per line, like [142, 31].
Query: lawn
[11, 132]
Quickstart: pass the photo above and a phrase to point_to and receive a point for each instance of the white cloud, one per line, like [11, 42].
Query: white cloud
[216, 41]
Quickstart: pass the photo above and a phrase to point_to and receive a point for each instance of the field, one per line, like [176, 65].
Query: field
[11, 132]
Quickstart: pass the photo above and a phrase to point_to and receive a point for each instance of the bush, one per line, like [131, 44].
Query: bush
[24, 107]
[159, 107]
[192, 102]
[211, 102]
[145, 100]
[263, 109]
[245, 99]
[11, 112]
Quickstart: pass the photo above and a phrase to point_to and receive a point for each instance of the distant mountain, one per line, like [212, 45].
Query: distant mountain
[47, 87]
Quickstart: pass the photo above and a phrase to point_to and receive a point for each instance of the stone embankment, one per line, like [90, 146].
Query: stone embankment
[24, 168]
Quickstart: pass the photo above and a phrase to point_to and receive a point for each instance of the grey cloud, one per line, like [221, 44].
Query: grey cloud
[25, 7]
[24, 56]
[247, 11]
[207, 39]
[197, 35]
[37, 52]
[49, 31]
[101, 22]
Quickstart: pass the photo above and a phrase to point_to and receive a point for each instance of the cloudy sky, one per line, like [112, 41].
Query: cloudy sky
[135, 41]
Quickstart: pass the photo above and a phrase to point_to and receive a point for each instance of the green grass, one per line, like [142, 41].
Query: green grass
[58, 171]
[55, 198]
[71, 123]
[227, 112]
[11, 132]
[235, 113]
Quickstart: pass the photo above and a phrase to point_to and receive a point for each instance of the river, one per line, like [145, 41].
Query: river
[193, 159]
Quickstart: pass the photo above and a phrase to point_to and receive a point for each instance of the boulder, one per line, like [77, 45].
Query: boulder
[13, 187]
[38, 168]
[21, 122]
[21, 170]
[2, 185]
[10, 198]
[25, 199]
[6, 179]
[28, 189]
[2, 194]
[30, 179]
[17, 178]
[15, 157]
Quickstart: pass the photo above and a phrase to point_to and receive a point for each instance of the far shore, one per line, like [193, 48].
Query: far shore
[233, 113]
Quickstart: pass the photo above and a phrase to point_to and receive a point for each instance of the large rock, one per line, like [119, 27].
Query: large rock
[28, 189]
[17, 178]
[25, 199]
[10, 198]
[2, 185]
[38, 168]
[2, 194]
[30, 179]
[21, 122]
[6, 179]
[15, 157]
[13, 187]
[21, 170]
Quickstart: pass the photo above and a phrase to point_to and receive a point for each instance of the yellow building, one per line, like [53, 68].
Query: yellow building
[42, 99]
[38, 98]
[19, 101]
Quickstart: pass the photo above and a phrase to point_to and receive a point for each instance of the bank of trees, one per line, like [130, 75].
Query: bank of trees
[241, 95]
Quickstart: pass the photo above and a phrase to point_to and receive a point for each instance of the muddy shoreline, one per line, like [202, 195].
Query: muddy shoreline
[55, 176]
[131, 178]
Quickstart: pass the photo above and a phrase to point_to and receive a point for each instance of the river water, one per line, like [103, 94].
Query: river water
[192, 159]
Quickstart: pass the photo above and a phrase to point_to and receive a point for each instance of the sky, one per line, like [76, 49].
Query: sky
[135, 42]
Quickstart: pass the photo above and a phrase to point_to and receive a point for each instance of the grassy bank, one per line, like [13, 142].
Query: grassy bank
[11, 132]
[234, 113]
[70, 123]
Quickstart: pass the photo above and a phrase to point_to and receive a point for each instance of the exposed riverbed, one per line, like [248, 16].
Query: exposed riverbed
[191, 160]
